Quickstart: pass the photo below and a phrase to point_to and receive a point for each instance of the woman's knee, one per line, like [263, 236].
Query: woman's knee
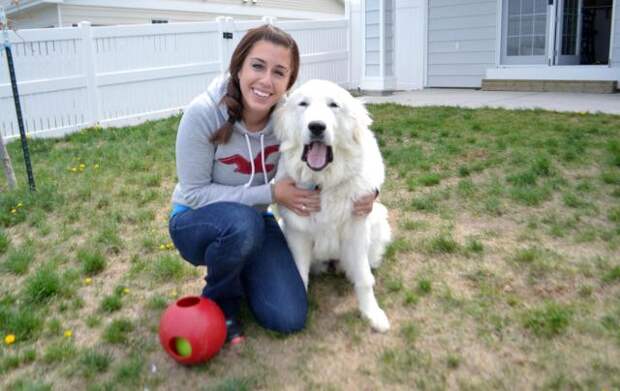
[283, 321]
[246, 231]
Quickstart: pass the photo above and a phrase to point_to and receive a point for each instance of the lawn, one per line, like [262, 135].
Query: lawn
[504, 272]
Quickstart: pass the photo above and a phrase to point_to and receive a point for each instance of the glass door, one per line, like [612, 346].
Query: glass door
[556, 32]
[568, 32]
[525, 31]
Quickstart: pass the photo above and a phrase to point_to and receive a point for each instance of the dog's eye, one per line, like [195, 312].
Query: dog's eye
[334, 105]
[303, 103]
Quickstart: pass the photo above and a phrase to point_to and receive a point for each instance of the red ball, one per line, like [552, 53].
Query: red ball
[197, 320]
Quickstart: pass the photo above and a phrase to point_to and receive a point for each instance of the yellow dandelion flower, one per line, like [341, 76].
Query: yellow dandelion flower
[126, 290]
[170, 246]
[162, 247]
[88, 281]
[68, 333]
[13, 210]
[173, 293]
[9, 339]
[82, 166]
[96, 166]
[73, 169]
[19, 205]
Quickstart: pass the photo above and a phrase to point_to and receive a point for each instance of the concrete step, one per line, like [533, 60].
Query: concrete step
[589, 86]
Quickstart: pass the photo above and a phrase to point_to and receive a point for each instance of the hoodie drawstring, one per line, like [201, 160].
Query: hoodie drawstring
[262, 157]
[251, 159]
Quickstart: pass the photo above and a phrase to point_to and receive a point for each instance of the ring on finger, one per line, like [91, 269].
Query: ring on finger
[303, 207]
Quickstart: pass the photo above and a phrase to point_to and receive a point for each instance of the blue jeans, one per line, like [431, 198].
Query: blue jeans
[246, 254]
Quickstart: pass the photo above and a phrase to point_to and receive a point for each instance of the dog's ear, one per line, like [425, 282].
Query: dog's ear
[279, 115]
[361, 118]
[283, 119]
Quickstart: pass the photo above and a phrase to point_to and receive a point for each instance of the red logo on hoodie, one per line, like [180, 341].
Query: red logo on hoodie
[244, 166]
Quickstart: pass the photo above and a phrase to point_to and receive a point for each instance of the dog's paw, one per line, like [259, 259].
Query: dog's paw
[378, 320]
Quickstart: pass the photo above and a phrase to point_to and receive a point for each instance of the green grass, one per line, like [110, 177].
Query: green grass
[93, 362]
[424, 286]
[44, 285]
[506, 230]
[168, 267]
[93, 262]
[549, 320]
[397, 246]
[18, 260]
[129, 372]
[117, 332]
[613, 275]
[442, 244]
[4, 241]
[59, 352]
[111, 303]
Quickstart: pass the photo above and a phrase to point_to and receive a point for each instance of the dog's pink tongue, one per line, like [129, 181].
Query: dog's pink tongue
[317, 155]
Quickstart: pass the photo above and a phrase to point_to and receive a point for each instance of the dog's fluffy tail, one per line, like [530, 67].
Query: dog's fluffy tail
[380, 234]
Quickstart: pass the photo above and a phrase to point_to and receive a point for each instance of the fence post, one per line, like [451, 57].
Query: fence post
[226, 29]
[354, 45]
[269, 20]
[90, 72]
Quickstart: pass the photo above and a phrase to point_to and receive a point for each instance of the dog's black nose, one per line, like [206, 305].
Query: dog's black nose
[316, 127]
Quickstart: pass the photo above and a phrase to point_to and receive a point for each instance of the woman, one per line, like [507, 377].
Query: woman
[226, 155]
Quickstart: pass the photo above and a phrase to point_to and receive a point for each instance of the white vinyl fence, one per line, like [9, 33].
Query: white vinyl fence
[73, 78]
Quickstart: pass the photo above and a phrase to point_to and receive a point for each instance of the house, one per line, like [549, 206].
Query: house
[559, 45]
[494, 44]
[67, 13]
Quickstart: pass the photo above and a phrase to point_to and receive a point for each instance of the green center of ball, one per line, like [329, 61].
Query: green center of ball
[183, 347]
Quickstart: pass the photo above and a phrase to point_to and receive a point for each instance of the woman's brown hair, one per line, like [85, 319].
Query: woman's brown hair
[232, 99]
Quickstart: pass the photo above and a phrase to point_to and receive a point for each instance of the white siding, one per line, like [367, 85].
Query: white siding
[44, 16]
[388, 42]
[615, 61]
[323, 6]
[373, 46]
[103, 16]
[461, 41]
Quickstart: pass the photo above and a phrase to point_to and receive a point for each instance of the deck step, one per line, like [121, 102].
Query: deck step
[589, 86]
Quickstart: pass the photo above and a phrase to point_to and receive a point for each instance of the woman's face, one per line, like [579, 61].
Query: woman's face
[263, 78]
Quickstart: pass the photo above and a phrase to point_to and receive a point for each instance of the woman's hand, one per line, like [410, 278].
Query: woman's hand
[301, 201]
[363, 205]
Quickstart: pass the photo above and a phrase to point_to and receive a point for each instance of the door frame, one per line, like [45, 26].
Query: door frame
[551, 38]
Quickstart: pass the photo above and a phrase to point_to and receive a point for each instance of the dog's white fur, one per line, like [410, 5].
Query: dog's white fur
[357, 169]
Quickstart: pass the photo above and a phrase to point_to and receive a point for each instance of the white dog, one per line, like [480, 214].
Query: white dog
[326, 142]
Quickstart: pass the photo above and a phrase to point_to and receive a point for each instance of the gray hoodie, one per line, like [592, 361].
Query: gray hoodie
[238, 171]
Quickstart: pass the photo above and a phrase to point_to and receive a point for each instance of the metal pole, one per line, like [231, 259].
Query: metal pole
[18, 107]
